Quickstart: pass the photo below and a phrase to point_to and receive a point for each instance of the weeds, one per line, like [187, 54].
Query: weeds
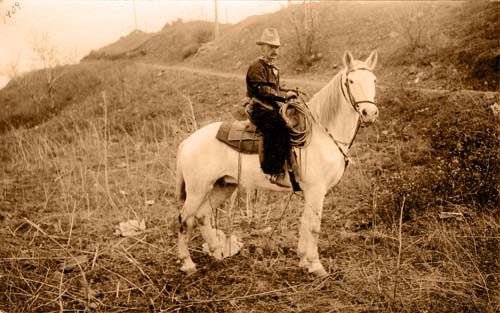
[61, 199]
[461, 163]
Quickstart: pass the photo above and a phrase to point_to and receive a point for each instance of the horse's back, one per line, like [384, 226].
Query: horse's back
[202, 135]
[202, 146]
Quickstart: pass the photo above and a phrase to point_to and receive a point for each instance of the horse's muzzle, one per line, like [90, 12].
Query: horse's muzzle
[369, 114]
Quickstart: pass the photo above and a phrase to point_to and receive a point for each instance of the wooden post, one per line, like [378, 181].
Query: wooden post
[135, 15]
[216, 27]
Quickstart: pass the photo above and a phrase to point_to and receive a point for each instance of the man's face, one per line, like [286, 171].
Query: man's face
[270, 52]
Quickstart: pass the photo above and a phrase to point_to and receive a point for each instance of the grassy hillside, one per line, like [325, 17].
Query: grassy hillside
[477, 49]
[174, 43]
[125, 47]
[25, 102]
[29, 100]
[109, 157]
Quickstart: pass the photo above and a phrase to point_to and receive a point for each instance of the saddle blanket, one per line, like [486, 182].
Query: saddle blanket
[242, 136]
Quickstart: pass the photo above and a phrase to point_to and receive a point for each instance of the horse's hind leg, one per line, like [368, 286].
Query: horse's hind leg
[199, 206]
[220, 192]
[186, 221]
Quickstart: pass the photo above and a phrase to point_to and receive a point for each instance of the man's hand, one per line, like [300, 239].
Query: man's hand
[291, 94]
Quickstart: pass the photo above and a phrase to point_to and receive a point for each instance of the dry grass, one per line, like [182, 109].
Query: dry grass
[67, 183]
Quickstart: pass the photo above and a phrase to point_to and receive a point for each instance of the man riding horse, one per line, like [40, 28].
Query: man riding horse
[263, 87]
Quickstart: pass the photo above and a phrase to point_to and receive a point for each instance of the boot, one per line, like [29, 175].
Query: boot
[280, 179]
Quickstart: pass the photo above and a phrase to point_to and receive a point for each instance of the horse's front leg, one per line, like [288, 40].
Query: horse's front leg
[309, 231]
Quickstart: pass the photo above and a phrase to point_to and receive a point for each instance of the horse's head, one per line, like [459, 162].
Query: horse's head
[359, 85]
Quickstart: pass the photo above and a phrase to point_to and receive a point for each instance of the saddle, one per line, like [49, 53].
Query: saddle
[244, 137]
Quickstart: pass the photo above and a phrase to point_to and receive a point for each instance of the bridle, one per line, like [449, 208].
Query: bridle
[355, 104]
[350, 98]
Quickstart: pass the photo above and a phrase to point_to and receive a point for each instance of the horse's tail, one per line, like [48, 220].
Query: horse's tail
[180, 185]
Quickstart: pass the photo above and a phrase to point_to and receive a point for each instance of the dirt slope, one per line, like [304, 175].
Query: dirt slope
[125, 46]
[457, 43]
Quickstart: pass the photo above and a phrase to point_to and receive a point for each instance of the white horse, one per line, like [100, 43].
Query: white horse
[207, 169]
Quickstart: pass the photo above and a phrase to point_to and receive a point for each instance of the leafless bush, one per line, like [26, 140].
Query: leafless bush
[203, 36]
[27, 85]
[50, 58]
[414, 26]
[190, 50]
[305, 22]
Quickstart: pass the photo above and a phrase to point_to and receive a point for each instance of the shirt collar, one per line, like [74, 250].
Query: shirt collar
[272, 64]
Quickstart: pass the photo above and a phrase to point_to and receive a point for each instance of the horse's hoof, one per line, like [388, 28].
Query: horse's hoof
[320, 273]
[189, 271]
[318, 270]
[189, 268]
[217, 254]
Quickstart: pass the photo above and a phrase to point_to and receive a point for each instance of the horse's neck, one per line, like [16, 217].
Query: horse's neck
[332, 111]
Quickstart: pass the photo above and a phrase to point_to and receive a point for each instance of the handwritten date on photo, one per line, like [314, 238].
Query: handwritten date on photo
[11, 11]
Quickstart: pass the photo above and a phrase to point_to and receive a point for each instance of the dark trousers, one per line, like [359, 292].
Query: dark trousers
[276, 137]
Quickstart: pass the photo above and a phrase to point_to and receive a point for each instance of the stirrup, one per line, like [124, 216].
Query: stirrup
[273, 178]
[280, 179]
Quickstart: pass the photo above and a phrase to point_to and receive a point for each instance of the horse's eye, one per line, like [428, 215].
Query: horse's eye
[351, 81]
[375, 81]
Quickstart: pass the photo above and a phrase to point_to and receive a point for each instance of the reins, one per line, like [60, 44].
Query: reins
[335, 141]
[355, 104]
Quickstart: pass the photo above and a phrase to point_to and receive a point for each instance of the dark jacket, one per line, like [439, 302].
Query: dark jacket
[263, 83]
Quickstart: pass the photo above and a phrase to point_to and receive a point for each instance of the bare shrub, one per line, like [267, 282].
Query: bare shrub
[466, 149]
[305, 24]
[460, 164]
[203, 36]
[414, 25]
[199, 38]
[50, 58]
[190, 50]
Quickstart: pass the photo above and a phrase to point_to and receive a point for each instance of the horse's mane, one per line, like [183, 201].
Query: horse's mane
[324, 104]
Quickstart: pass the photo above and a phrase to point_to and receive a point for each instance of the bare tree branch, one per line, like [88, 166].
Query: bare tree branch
[305, 28]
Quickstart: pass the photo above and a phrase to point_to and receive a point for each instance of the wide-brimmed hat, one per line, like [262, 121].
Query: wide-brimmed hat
[269, 37]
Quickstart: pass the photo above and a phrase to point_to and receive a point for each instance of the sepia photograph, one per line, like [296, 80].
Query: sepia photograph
[250, 156]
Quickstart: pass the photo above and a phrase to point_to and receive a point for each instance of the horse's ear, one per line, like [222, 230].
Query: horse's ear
[371, 61]
[348, 59]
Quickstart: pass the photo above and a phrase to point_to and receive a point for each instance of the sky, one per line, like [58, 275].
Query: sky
[74, 27]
